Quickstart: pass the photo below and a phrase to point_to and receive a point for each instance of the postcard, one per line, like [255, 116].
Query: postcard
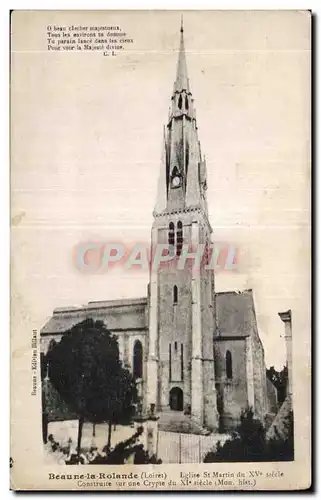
[160, 250]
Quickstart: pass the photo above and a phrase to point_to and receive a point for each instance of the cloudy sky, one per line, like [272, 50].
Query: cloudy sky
[86, 148]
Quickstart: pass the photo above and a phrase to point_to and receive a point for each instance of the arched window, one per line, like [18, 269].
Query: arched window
[180, 101]
[179, 238]
[228, 364]
[186, 102]
[138, 359]
[175, 294]
[171, 238]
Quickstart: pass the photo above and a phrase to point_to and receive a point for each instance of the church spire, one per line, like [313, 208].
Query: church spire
[182, 183]
[181, 82]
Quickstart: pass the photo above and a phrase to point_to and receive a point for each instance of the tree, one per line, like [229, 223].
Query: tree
[280, 380]
[85, 369]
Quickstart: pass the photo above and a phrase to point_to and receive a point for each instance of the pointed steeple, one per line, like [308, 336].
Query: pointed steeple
[182, 183]
[181, 82]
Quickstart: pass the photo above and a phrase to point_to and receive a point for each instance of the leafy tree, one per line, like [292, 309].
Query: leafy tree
[280, 380]
[85, 369]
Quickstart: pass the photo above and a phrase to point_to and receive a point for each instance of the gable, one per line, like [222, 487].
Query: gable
[235, 313]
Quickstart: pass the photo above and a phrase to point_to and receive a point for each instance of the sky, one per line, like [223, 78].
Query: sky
[86, 136]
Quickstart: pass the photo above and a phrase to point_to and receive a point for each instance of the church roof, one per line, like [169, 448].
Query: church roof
[119, 315]
[235, 313]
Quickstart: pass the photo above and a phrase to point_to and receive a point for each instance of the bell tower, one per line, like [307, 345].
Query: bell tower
[180, 366]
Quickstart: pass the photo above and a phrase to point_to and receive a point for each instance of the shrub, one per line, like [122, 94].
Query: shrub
[249, 444]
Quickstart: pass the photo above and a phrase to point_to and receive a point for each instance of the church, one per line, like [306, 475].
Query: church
[195, 353]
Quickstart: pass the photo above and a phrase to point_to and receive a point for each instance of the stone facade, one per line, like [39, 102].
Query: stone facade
[239, 358]
[191, 350]
[129, 321]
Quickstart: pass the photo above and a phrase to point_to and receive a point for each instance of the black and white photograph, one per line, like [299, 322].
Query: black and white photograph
[161, 249]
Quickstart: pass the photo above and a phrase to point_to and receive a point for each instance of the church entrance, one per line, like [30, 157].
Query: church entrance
[176, 402]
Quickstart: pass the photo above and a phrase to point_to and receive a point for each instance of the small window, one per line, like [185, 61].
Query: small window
[175, 294]
[171, 237]
[180, 102]
[175, 346]
[138, 359]
[179, 238]
[186, 102]
[228, 363]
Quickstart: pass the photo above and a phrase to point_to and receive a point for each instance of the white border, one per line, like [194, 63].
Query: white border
[314, 5]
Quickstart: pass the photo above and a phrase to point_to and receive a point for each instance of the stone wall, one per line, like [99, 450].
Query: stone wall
[259, 372]
[272, 397]
[211, 417]
[232, 397]
[174, 326]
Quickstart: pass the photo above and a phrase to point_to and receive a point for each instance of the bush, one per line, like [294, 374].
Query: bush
[281, 449]
[249, 444]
